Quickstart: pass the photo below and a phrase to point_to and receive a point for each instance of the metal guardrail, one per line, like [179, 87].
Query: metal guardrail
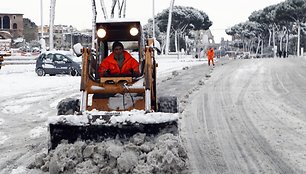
[18, 60]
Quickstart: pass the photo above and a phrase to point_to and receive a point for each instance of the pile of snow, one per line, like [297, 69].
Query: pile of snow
[138, 155]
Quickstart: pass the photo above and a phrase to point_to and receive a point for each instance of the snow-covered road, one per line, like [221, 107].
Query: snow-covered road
[244, 116]
[249, 117]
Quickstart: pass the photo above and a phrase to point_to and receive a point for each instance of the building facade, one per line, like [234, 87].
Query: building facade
[13, 23]
[65, 36]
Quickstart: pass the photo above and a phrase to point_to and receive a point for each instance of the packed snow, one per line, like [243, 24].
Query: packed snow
[133, 116]
[140, 154]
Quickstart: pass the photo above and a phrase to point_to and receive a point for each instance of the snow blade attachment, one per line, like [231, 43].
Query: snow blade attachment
[104, 125]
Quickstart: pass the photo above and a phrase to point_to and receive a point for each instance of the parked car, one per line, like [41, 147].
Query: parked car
[243, 55]
[58, 62]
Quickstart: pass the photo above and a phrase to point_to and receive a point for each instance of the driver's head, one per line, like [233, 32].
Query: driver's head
[117, 48]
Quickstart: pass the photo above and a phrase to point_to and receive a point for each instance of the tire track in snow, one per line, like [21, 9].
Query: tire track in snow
[256, 146]
[243, 148]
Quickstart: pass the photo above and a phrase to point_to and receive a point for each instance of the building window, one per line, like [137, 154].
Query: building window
[0, 22]
[6, 22]
[14, 17]
[14, 26]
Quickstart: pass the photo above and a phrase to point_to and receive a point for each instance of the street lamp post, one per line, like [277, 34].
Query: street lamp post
[168, 27]
[41, 18]
[71, 44]
[42, 40]
[153, 27]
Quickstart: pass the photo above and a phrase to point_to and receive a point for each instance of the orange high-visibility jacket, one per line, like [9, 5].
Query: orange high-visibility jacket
[210, 54]
[129, 65]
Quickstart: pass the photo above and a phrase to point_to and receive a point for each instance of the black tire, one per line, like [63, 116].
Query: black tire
[68, 106]
[167, 104]
[40, 72]
[73, 72]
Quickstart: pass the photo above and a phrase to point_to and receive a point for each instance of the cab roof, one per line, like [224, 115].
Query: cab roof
[119, 30]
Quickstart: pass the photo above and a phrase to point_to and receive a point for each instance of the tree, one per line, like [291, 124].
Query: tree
[248, 32]
[266, 18]
[279, 20]
[29, 30]
[182, 16]
[148, 30]
[294, 11]
[184, 20]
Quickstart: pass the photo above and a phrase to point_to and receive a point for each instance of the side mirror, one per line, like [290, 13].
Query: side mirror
[77, 49]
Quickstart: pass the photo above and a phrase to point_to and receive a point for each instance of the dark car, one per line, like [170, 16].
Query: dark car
[53, 63]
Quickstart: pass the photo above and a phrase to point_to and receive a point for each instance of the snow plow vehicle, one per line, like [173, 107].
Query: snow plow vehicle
[115, 106]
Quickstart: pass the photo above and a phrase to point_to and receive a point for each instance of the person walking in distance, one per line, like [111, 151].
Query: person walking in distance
[210, 56]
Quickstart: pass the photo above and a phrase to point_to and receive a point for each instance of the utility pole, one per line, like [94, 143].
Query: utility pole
[153, 34]
[42, 40]
[169, 27]
[94, 19]
[41, 18]
[51, 24]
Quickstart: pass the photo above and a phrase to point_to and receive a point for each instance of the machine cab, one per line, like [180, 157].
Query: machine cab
[128, 32]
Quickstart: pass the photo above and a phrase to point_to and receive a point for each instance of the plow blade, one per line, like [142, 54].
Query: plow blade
[100, 127]
[98, 133]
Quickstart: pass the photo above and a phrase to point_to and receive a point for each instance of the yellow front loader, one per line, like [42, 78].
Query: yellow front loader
[112, 107]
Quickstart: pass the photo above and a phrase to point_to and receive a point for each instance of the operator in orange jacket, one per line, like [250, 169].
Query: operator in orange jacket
[119, 63]
[210, 56]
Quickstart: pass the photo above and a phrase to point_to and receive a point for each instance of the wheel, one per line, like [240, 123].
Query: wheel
[73, 72]
[68, 106]
[167, 104]
[40, 72]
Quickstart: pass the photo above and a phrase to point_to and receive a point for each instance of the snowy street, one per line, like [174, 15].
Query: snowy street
[249, 117]
[243, 116]
[167, 88]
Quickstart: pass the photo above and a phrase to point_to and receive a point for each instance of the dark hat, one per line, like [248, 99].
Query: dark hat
[116, 44]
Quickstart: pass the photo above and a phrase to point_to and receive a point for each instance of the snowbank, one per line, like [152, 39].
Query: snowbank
[141, 154]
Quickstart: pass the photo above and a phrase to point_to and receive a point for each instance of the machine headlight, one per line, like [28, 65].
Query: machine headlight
[101, 33]
[134, 31]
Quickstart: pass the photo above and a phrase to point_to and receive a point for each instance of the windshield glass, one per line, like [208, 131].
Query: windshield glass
[75, 58]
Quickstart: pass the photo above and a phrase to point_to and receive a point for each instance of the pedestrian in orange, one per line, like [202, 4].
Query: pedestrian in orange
[210, 56]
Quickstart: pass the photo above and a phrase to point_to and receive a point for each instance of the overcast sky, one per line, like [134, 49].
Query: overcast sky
[223, 13]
